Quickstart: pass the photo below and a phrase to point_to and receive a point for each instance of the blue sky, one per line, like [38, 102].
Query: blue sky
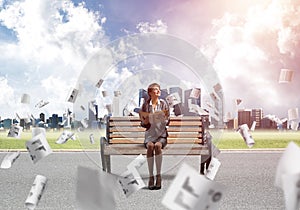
[46, 44]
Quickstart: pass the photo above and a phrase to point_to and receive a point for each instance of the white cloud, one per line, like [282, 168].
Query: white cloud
[53, 41]
[7, 92]
[56, 88]
[288, 31]
[159, 27]
[248, 51]
[116, 77]
[51, 30]
[245, 41]
[237, 59]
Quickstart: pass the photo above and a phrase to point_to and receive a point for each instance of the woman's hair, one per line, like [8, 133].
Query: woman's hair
[150, 87]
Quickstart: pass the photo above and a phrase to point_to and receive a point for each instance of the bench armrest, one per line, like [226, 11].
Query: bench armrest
[103, 141]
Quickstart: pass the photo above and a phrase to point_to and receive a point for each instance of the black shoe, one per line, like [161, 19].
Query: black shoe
[158, 182]
[152, 187]
[157, 187]
[151, 183]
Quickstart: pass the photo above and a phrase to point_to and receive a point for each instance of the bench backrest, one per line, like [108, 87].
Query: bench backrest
[127, 130]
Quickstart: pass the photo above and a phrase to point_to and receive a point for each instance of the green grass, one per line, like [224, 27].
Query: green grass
[222, 139]
[82, 141]
[263, 139]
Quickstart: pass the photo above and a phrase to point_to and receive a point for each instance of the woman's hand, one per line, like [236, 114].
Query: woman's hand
[166, 111]
[144, 117]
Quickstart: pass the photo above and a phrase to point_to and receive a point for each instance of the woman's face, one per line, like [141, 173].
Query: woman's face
[155, 92]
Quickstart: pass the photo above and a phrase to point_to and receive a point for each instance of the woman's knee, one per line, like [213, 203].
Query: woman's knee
[158, 146]
[150, 146]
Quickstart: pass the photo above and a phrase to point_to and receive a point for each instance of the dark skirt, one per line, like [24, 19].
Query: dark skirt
[162, 140]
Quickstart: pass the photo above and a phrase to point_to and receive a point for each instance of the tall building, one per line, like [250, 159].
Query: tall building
[163, 93]
[7, 123]
[216, 117]
[257, 115]
[244, 117]
[267, 123]
[25, 125]
[54, 121]
[116, 110]
[219, 105]
[92, 121]
[232, 124]
[176, 90]
[42, 117]
[248, 116]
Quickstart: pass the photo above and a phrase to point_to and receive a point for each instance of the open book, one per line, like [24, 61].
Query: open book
[153, 118]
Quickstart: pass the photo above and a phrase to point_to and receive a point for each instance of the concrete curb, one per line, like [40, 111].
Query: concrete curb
[262, 150]
[97, 150]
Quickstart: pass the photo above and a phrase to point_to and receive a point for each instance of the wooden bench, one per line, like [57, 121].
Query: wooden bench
[125, 136]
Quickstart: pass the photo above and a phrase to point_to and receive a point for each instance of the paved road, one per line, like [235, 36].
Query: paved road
[248, 177]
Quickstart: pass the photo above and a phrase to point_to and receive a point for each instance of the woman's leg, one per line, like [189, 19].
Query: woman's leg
[202, 166]
[204, 163]
[150, 161]
[158, 162]
[208, 162]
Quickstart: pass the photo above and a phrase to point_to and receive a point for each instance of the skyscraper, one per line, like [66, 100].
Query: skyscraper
[218, 91]
[7, 123]
[42, 117]
[257, 115]
[163, 93]
[54, 121]
[244, 117]
[92, 112]
[266, 123]
[176, 90]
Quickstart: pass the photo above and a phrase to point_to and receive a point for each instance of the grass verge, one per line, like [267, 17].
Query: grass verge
[82, 141]
[264, 139]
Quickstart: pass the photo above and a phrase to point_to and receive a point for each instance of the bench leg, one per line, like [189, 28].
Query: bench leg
[107, 163]
[103, 163]
[103, 158]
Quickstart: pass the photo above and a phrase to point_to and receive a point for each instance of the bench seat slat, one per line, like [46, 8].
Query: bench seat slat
[141, 129]
[134, 118]
[142, 135]
[175, 149]
[127, 129]
[138, 123]
[170, 141]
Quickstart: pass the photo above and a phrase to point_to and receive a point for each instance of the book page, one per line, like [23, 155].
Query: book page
[157, 117]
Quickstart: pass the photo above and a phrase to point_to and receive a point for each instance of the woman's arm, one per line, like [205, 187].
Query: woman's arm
[166, 109]
[144, 117]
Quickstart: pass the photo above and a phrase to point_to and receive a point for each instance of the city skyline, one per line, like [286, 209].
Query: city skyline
[182, 102]
[48, 43]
